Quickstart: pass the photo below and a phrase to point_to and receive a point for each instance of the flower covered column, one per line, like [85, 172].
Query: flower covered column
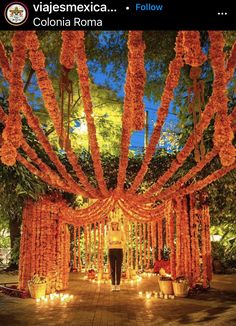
[44, 248]
[188, 220]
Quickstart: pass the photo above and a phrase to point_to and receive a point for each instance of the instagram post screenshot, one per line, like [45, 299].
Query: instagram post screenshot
[117, 163]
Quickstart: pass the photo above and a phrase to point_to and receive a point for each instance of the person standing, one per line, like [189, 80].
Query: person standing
[116, 243]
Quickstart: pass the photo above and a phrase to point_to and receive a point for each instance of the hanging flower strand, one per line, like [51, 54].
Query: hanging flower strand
[231, 63]
[137, 47]
[4, 63]
[223, 135]
[88, 109]
[167, 96]
[68, 49]
[135, 69]
[193, 54]
[12, 133]
[38, 64]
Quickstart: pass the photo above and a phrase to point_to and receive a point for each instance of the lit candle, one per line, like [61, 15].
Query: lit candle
[148, 295]
[140, 293]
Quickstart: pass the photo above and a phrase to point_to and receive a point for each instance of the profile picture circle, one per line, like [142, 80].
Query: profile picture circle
[16, 13]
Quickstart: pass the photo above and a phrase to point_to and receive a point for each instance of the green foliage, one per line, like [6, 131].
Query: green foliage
[15, 252]
[4, 233]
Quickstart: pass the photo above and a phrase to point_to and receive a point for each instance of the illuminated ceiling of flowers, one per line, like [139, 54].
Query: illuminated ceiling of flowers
[137, 206]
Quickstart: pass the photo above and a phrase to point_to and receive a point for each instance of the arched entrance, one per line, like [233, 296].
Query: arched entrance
[182, 228]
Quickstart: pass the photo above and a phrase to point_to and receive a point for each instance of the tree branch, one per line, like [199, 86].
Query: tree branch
[31, 72]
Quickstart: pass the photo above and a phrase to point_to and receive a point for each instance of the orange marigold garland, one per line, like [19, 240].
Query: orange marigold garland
[48, 173]
[89, 245]
[145, 243]
[12, 133]
[127, 119]
[208, 243]
[206, 181]
[79, 265]
[41, 175]
[223, 135]
[148, 244]
[231, 63]
[38, 64]
[140, 247]
[153, 224]
[160, 239]
[88, 109]
[171, 219]
[178, 237]
[68, 49]
[136, 245]
[167, 96]
[193, 54]
[75, 250]
[137, 47]
[203, 248]
[4, 63]
[187, 258]
[192, 225]
[102, 241]
[99, 263]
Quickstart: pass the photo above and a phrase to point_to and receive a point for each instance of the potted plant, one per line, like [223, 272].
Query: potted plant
[165, 284]
[37, 286]
[91, 274]
[181, 287]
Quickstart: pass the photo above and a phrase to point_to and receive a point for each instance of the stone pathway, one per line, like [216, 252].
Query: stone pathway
[96, 305]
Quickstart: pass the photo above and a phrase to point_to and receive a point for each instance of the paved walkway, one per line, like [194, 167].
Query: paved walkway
[95, 305]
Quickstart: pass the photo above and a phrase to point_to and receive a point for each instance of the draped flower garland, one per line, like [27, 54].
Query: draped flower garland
[88, 109]
[12, 133]
[151, 216]
[193, 54]
[133, 114]
[167, 96]
[224, 135]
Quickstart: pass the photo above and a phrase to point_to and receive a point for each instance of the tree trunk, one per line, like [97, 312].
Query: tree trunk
[14, 226]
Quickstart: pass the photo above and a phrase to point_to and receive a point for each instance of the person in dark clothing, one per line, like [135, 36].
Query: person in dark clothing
[116, 242]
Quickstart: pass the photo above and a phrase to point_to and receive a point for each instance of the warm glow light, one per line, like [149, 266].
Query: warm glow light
[140, 293]
[148, 295]
[63, 298]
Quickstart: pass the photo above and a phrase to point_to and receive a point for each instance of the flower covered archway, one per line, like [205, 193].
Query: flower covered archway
[183, 228]
[146, 209]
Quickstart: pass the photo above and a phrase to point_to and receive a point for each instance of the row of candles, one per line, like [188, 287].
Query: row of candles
[132, 282]
[61, 297]
[150, 294]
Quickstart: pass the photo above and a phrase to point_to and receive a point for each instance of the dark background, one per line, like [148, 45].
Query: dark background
[195, 14]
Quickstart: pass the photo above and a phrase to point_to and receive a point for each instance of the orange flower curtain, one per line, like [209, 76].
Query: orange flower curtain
[183, 229]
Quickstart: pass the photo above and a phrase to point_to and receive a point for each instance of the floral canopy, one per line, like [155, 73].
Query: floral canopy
[188, 51]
